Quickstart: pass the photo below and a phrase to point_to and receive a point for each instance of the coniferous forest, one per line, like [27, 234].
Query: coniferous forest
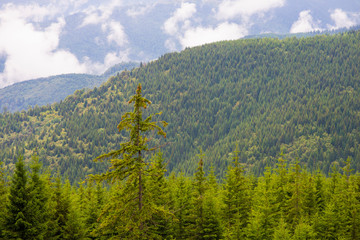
[247, 139]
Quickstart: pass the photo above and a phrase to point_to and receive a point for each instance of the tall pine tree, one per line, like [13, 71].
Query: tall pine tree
[128, 165]
[17, 223]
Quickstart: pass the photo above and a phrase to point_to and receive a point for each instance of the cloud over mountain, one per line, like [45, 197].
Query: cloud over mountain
[41, 38]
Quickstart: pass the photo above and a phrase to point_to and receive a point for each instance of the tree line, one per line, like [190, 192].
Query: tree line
[299, 96]
[134, 199]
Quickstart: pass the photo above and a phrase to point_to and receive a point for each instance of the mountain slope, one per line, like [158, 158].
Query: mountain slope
[43, 91]
[296, 96]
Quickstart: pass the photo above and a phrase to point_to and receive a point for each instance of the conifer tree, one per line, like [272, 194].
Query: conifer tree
[17, 222]
[237, 200]
[3, 198]
[207, 225]
[294, 205]
[161, 198]
[200, 187]
[38, 202]
[304, 231]
[183, 208]
[60, 213]
[128, 164]
[264, 213]
[282, 232]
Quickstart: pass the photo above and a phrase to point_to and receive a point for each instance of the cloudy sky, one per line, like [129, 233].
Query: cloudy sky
[41, 38]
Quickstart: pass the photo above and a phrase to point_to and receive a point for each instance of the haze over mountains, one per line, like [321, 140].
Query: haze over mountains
[44, 38]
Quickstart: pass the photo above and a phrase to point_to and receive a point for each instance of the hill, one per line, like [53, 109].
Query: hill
[43, 91]
[296, 96]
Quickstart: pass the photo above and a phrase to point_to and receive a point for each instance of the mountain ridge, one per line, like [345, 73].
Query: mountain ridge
[266, 96]
[42, 91]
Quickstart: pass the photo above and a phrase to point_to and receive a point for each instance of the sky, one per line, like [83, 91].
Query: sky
[44, 38]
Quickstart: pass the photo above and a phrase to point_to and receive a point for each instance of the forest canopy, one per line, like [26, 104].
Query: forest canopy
[298, 96]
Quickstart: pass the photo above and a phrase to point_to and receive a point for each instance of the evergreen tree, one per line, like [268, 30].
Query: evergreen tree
[304, 231]
[95, 203]
[237, 200]
[37, 206]
[281, 232]
[3, 198]
[264, 213]
[17, 222]
[294, 205]
[136, 208]
[60, 213]
[157, 186]
[184, 222]
[207, 225]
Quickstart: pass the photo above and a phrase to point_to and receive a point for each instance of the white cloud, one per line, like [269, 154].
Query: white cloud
[109, 60]
[224, 31]
[171, 45]
[32, 52]
[137, 10]
[181, 15]
[305, 23]
[230, 9]
[100, 14]
[343, 19]
[32, 12]
[184, 28]
[116, 33]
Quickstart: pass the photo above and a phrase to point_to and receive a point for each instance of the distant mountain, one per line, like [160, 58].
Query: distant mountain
[265, 96]
[43, 91]
[90, 36]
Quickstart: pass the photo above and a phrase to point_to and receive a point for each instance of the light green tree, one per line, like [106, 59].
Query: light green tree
[129, 166]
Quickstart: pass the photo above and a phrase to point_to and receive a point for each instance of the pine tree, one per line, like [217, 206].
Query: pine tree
[38, 202]
[281, 232]
[264, 213]
[207, 225]
[183, 208]
[3, 198]
[60, 211]
[294, 205]
[95, 195]
[199, 186]
[136, 208]
[236, 199]
[17, 222]
[157, 187]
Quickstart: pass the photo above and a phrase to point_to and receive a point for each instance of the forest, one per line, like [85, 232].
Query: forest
[134, 199]
[296, 96]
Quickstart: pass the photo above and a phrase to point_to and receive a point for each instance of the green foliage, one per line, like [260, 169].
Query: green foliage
[137, 207]
[298, 95]
[179, 207]
[3, 198]
[17, 219]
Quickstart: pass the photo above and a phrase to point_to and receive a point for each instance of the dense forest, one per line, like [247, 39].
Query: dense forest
[296, 96]
[134, 199]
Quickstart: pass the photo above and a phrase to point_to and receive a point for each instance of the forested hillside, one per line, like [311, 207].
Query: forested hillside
[266, 96]
[139, 202]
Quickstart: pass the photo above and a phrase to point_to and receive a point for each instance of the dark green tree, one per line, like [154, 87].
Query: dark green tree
[157, 186]
[183, 208]
[17, 222]
[60, 211]
[206, 221]
[3, 198]
[37, 206]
